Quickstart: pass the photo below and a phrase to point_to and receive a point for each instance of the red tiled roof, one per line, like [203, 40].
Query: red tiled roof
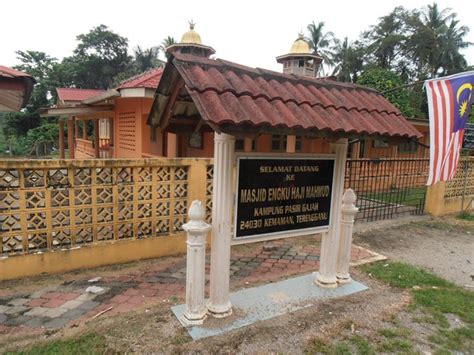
[74, 94]
[228, 94]
[149, 80]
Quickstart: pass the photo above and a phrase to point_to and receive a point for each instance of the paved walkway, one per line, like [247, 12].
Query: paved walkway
[128, 289]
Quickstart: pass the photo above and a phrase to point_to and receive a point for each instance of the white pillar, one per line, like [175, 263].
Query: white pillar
[330, 241]
[348, 212]
[197, 230]
[219, 304]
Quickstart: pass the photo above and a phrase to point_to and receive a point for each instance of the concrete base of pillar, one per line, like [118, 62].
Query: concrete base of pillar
[325, 284]
[326, 281]
[344, 279]
[193, 319]
[219, 311]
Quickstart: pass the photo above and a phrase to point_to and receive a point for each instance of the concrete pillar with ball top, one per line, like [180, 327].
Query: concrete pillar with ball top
[196, 230]
[348, 212]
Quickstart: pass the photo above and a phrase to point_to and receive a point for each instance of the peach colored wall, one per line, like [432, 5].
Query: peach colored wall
[127, 128]
[150, 148]
[134, 141]
[206, 152]
[263, 145]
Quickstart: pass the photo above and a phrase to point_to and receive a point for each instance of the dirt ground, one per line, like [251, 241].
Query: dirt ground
[444, 246]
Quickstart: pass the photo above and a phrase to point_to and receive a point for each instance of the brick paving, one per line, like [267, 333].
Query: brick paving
[56, 307]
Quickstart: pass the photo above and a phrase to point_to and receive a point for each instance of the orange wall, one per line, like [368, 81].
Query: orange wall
[263, 145]
[132, 136]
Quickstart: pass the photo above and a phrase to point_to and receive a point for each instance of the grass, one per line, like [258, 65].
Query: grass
[466, 216]
[86, 344]
[433, 296]
[408, 197]
[319, 346]
[404, 276]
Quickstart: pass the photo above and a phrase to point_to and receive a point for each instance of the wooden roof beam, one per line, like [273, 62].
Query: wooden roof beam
[168, 111]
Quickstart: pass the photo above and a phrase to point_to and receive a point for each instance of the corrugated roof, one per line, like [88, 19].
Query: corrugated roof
[74, 94]
[149, 80]
[13, 73]
[15, 89]
[227, 93]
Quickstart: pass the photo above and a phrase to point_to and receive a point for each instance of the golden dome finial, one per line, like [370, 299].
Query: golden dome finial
[300, 46]
[191, 36]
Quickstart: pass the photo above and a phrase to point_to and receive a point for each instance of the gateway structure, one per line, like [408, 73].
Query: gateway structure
[213, 104]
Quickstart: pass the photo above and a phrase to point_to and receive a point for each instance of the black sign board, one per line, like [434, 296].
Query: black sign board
[280, 195]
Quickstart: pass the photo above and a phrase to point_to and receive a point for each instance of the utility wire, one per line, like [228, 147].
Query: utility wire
[403, 86]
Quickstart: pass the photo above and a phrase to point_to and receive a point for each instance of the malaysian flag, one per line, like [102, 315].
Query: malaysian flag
[449, 102]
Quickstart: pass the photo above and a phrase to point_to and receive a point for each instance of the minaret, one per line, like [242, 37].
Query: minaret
[300, 60]
[191, 44]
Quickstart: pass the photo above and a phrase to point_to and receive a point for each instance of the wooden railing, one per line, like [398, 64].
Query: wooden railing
[84, 148]
[47, 205]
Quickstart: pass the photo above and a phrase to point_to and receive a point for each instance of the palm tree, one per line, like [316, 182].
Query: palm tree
[165, 43]
[435, 41]
[385, 40]
[320, 42]
[146, 59]
[451, 60]
[348, 60]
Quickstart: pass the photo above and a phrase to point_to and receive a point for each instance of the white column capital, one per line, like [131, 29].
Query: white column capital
[223, 137]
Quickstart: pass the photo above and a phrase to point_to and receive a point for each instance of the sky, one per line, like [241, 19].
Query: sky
[247, 32]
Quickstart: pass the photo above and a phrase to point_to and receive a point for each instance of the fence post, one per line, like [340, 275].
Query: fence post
[196, 230]
[348, 211]
[434, 203]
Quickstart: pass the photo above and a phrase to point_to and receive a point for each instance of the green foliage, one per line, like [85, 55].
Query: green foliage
[388, 83]
[447, 300]
[86, 344]
[412, 45]
[98, 58]
[403, 275]
[466, 216]
[165, 43]
[318, 346]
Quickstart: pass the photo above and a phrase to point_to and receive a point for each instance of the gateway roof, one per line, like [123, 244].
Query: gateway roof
[231, 96]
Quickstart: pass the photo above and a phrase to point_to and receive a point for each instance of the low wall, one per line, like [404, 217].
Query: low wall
[61, 215]
[447, 197]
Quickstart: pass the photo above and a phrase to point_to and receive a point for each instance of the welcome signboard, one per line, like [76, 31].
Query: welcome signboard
[282, 195]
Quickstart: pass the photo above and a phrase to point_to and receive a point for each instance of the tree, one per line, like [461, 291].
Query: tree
[165, 43]
[348, 61]
[98, 58]
[434, 41]
[143, 60]
[321, 42]
[385, 41]
[389, 84]
[40, 66]
[146, 59]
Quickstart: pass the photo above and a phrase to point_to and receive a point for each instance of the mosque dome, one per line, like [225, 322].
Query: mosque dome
[191, 36]
[300, 46]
